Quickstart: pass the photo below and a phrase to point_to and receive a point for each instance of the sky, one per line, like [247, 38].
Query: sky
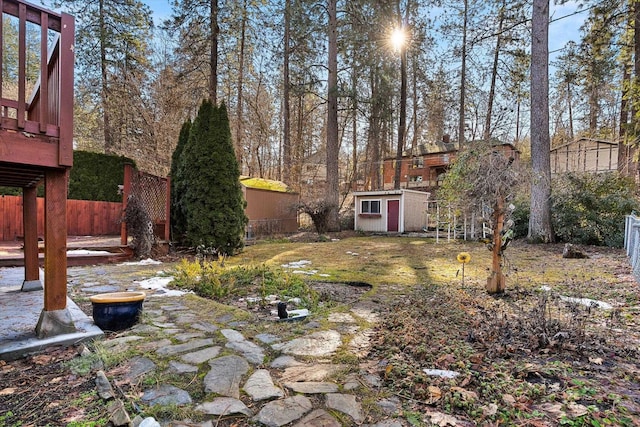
[560, 30]
[160, 8]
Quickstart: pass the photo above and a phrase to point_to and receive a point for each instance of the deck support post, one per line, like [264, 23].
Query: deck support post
[30, 232]
[55, 318]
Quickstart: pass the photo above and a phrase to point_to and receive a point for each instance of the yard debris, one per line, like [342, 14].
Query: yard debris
[442, 373]
[587, 302]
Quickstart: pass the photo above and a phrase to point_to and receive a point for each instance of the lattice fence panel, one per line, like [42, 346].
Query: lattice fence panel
[151, 191]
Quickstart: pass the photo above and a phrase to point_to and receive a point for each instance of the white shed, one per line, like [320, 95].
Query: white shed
[390, 211]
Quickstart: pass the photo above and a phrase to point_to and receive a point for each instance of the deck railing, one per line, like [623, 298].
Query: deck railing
[36, 78]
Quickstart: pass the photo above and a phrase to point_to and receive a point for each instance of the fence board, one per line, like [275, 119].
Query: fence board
[84, 218]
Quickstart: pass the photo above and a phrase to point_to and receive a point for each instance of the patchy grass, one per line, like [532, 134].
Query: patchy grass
[528, 357]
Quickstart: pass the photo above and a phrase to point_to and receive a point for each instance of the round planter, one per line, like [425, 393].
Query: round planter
[117, 310]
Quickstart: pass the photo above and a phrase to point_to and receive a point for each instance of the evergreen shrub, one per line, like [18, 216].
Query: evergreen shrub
[590, 209]
[208, 182]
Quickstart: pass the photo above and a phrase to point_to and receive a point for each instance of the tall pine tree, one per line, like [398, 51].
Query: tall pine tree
[212, 200]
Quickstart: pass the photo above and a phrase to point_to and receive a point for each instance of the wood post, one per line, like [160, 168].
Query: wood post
[55, 240]
[30, 233]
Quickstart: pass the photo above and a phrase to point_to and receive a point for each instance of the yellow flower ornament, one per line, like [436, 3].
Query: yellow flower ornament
[464, 257]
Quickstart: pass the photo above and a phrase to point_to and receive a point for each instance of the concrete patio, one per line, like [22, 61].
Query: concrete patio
[19, 314]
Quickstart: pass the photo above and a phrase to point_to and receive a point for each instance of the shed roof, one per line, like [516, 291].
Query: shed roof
[264, 184]
[388, 192]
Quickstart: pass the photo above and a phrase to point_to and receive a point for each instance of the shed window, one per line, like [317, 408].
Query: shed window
[370, 207]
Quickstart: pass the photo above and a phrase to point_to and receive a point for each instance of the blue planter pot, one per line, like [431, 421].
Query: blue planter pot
[118, 310]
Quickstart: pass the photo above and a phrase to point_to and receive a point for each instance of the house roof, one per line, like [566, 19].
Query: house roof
[575, 141]
[432, 148]
[264, 184]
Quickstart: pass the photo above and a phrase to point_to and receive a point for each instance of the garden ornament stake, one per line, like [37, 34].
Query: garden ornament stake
[463, 258]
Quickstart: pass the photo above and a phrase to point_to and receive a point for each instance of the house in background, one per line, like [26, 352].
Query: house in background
[390, 211]
[423, 168]
[271, 207]
[585, 155]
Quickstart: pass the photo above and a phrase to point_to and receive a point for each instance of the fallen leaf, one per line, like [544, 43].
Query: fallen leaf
[42, 359]
[553, 409]
[490, 410]
[434, 394]
[7, 391]
[443, 420]
[576, 410]
[508, 399]
[466, 394]
[596, 360]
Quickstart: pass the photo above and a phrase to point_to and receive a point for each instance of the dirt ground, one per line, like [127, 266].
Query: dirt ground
[530, 357]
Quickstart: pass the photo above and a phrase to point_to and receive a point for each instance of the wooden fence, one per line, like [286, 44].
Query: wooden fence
[84, 218]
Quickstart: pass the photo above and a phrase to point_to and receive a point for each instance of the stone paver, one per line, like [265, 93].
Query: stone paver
[166, 395]
[318, 418]
[170, 350]
[318, 344]
[316, 372]
[345, 403]
[201, 356]
[225, 376]
[182, 368]
[224, 406]
[139, 366]
[260, 386]
[236, 341]
[286, 391]
[281, 412]
[312, 387]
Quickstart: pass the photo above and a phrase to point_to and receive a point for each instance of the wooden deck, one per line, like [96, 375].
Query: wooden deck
[81, 250]
[36, 139]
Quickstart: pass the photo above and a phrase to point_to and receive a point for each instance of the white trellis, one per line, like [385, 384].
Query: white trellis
[444, 222]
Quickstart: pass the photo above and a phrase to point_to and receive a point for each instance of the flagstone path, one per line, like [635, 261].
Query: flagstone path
[263, 379]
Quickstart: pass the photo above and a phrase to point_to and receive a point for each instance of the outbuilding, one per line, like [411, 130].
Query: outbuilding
[271, 207]
[390, 211]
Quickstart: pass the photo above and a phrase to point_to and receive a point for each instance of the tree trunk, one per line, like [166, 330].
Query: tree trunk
[332, 195]
[540, 229]
[354, 132]
[213, 54]
[285, 163]
[239, 115]
[624, 149]
[403, 117]
[494, 74]
[106, 113]
[570, 104]
[633, 163]
[463, 75]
